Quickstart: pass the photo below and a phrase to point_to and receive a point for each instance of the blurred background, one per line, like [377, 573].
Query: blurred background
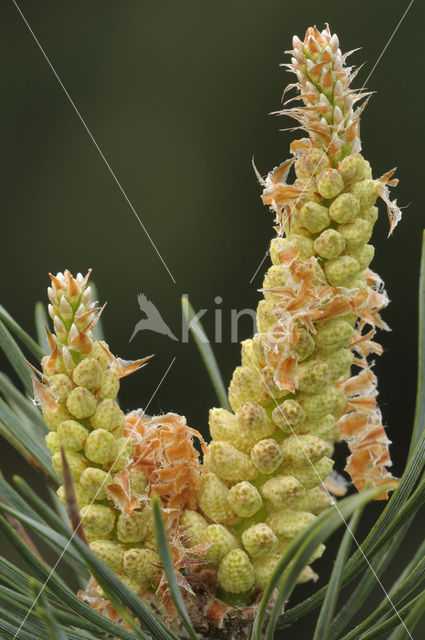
[177, 96]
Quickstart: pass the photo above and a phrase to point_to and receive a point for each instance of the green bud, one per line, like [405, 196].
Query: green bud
[365, 191]
[340, 403]
[249, 356]
[370, 214]
[212, 499]
[344, 208]
[229, 463]
[132, 528]
[81, 496]
[141, 565]
[100, 446]
[220, 540]
[313, 376]
[314, 216]
[334, 334]
[288, 416]
[324, 428]
[194, 525]
[52, 441]
[98, 521]
[266, 456]
[363, 254]
[108, 416]
[308, 476]
[263, 568]
[110, 553]
[87, 374]
[81, 403]
[99, 354]
[280, 489]
[305, 345]
[71, 435]
[94, 481]
[276, 276]
[339, 361]
[259, 540]
[267, 315]
[339, 270]
[329, 244]
[246, 385]
[123, 453]
[60, 385]
[235, 573]
[109, 385]
[54, 418]
[76, 463]
[253, 419]
[311, 163]
[318, 404]
[356, 233]
[330, 183]
[244, 499]
[289, 523]
[304, 449]
[353, 168]
[314, 500]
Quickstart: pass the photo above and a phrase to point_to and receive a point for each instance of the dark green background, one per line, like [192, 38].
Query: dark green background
[176, 95]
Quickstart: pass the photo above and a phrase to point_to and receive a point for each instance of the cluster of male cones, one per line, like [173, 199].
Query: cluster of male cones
[267, 471]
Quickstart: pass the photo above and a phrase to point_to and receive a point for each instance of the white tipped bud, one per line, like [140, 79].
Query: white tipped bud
[296, 43]
[73, 333]
[52, 295]
[323, 100]
[299, 56]
[338, 90]
[67, 358]
[65, 308]
[81, 309]
[310, 64]
[300, 76]
[356, 146]
[334, 42]
[337, 66]
[349, 102]
[338, 117]
[59, 327]
[51, 311]
[86, 297]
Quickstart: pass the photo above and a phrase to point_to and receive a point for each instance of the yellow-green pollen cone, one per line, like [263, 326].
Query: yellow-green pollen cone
[294, 395]
[78, 393]
[268, 470]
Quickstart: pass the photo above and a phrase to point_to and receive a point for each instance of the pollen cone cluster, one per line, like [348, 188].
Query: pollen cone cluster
[304, 383]
[295, 394]
[116, 462]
